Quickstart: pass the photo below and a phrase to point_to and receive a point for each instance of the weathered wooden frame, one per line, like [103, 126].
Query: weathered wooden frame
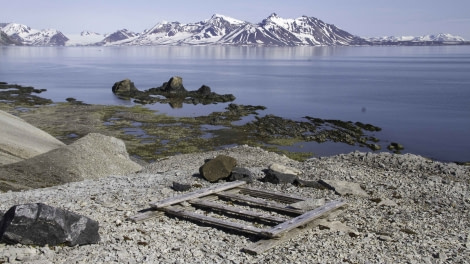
[283, 229]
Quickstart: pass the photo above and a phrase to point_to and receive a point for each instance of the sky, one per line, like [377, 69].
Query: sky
[364, 18]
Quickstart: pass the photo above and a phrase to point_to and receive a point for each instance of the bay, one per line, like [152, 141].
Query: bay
[419, 96]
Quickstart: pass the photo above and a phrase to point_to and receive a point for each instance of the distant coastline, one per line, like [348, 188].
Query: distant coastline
[220, 30]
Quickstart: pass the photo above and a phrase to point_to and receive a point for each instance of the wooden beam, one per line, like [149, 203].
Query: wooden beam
[196, 194]
[238, 211]
[266, 244]
[145, 215]
[280, 197]
[303, 219]
[213, 221]
[269, 205]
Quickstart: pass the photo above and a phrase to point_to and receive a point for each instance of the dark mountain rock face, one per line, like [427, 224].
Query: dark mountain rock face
[119, 35]
[7, 40]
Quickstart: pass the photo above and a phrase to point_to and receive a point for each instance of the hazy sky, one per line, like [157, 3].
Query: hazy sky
[365, 18]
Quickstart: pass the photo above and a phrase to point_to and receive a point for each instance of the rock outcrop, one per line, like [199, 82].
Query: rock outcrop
[19, 140]
[171, 92]
[125, 88]
[90, 157]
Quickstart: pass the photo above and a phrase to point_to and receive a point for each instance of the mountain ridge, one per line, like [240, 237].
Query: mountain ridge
[219, 30]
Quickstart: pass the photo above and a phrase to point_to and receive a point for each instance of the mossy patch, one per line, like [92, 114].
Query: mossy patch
[150, 135]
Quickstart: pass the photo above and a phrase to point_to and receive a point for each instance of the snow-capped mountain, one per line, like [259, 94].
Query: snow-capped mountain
[219, 30]
[85, 38]
[223, 30]
[6, 40]
[303, 31]
[426, 38]
[175, 33]
[28, 36]
[119, 35]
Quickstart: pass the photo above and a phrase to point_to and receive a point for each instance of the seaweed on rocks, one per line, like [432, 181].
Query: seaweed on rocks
[21, 95]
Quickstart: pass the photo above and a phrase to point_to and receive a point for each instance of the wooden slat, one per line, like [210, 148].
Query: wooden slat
[145, 215]
[263, 245]
[213, 221]
[303, 219]
[196, 194]
[260, 202]
[238, 211]
[281, 197]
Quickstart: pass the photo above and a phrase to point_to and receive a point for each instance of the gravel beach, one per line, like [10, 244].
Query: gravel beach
[416, 211]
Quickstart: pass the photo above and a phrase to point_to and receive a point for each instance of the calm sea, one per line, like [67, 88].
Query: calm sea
[419, 96]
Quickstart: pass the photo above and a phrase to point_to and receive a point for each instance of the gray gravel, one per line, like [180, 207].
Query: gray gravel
[416, 212]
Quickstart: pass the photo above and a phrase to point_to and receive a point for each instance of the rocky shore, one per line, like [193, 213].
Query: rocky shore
[405, 209]
[415, 211]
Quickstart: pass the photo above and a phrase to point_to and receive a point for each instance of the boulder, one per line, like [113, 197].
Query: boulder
[19, 140]
[40, 224]
[204, 90]
[174, 85]
[278, 177]
[241, 174]
[91, 157]
[125, 88]
[218, 168]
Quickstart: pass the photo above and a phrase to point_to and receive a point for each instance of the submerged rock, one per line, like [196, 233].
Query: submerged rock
[125, 88]
[174, 85]
[172, 92]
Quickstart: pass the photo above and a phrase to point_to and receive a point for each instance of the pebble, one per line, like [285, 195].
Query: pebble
[423, 217]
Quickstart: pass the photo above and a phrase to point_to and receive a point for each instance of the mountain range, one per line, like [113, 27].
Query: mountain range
[218, 30]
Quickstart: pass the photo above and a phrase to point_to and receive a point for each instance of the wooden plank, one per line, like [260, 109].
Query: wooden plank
[238, 211]
[213, 221]
[269, 205]
[196, 194]
[145, 215]
[304, 218]
[263, 245]
[280, 197]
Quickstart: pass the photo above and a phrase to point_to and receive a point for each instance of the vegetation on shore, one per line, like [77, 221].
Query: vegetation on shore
[150, 135]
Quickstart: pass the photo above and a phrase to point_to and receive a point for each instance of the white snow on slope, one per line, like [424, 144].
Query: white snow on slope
[84, 38]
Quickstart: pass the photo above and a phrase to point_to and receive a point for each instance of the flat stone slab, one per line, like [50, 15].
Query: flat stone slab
[345, 187]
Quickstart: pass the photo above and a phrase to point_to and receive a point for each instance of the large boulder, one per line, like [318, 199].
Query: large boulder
[40, 224]
[174, 85]
[91, 157]
[19, 140]
[218, 168]
[125, 88]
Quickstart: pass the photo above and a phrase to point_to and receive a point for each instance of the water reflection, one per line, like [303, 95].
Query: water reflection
[176, 52]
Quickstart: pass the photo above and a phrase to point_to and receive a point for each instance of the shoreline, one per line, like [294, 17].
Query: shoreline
[410, 209]
[143, 129]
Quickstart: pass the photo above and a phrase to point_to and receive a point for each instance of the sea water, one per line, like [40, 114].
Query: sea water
[419, 96]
